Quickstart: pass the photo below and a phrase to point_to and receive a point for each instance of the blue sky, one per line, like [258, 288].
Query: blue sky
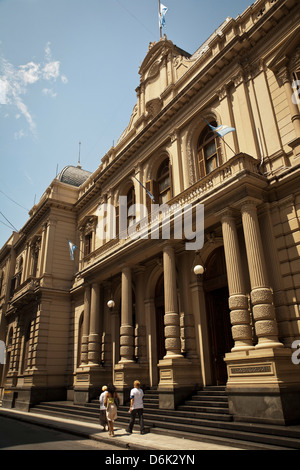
[68, 74]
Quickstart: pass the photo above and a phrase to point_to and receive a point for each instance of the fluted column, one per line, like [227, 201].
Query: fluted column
[94, 336]
[140, 328]
[280, 297]
[171, 318]
[126, 330]
[238, 301]
[261, 294]
[86, 325]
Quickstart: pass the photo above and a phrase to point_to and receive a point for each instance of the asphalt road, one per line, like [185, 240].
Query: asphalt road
[17, 435]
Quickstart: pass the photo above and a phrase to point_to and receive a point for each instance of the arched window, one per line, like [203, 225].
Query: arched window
[164, 182]
[19, 273]
[130, 203]
[207, 151]
[161, 186]
[10, 337]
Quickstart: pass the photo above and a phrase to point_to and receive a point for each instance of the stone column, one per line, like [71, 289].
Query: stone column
[86, 325]
[49, 249]
[280, 298]
[140, 328]
[171, 319]
[261, 294]
[42, 251]
[126, 330]
[94, 336]
[238, 301]
[187, 322]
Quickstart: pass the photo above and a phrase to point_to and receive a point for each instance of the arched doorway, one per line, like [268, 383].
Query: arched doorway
[160, 312]
[218, 314]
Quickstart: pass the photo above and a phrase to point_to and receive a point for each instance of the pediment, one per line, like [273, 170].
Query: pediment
[158, 51]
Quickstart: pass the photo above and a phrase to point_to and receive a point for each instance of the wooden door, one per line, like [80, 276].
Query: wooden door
[220, 328]
[218, 313]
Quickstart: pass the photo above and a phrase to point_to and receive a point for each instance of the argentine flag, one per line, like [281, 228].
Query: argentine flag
[162, 14]
[222, 130]
[72, 248]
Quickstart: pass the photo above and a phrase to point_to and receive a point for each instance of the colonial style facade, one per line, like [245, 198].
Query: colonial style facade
[131, 303]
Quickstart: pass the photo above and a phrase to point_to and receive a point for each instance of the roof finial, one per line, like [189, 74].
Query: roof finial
[79, 165]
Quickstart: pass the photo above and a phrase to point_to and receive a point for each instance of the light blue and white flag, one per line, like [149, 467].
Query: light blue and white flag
[72, 248]
[220, 130]
[162, 14]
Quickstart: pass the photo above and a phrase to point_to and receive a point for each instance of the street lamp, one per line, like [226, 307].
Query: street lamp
[198, 269]
[111, 304]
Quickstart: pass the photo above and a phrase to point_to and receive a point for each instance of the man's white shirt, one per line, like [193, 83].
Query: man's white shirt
[137, 395]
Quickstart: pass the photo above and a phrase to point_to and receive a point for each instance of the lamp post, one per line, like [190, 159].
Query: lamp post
[199, 269]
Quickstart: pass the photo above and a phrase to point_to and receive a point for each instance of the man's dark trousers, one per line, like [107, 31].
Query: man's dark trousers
[139, 412]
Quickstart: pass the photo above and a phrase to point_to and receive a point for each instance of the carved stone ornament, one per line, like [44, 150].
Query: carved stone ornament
[89, 225]
[154, 70]
[153, 107]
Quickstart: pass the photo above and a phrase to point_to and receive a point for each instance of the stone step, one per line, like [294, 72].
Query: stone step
[210, 398]
[243, 433]
[233, 433]
[205, 409]
[204, 416]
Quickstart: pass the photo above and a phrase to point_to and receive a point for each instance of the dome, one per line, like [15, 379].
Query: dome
[73, 175]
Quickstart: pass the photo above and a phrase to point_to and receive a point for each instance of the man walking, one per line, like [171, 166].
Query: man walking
[136, 407]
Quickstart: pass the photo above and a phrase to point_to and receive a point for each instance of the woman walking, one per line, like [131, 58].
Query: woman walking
[111, 408]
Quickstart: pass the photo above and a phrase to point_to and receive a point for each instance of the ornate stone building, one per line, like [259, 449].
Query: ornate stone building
[130, 305]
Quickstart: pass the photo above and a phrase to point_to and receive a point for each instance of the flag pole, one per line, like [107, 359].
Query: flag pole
[159, 16]
[227, 145]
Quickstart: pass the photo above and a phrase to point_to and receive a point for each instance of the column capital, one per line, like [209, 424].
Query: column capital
[248, 202]
[126, 266]
[228, 212]
[169, 245]
[139, 269]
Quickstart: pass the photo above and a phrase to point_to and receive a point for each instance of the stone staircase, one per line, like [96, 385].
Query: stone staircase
[204, 416]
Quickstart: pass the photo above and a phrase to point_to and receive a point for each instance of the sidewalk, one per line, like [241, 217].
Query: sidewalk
[134, 441]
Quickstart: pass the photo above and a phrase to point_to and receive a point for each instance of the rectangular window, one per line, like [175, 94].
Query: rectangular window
[88, 244]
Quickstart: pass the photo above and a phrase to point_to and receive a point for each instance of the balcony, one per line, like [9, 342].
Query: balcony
[24, 293]
[215, 186]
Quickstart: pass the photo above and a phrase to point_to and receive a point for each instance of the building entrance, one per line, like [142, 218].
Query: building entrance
[218, 314]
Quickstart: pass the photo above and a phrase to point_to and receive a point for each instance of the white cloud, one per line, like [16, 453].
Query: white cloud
[51, 70]
[29, 73]
[14, 83]
[49, 92]
[3, 91]
[19, 134]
